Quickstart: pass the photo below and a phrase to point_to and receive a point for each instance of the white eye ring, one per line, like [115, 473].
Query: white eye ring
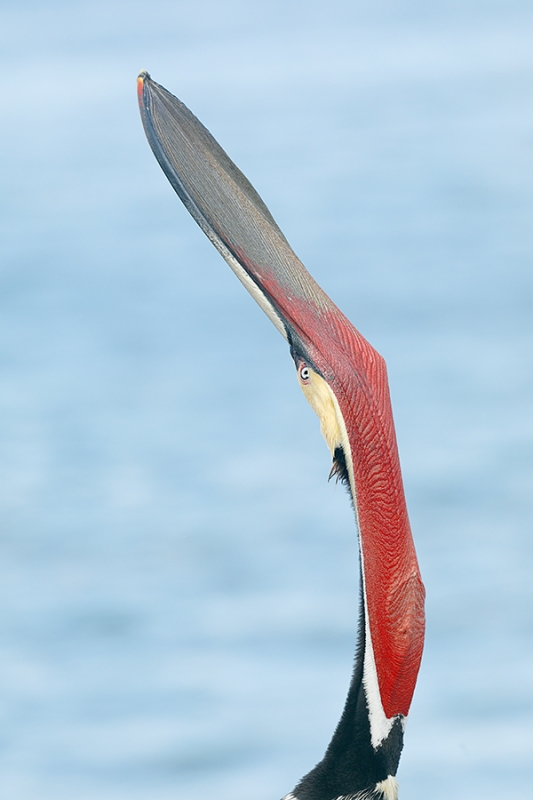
[305, 374]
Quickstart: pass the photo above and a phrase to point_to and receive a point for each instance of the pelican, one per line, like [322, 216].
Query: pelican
[345, 380]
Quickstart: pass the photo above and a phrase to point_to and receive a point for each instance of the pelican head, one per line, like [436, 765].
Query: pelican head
[345, 380]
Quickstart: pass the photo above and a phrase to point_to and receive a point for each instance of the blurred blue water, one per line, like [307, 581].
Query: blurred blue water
[179, 596]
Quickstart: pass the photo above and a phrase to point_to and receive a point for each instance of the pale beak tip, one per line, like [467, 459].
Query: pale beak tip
[143, 74]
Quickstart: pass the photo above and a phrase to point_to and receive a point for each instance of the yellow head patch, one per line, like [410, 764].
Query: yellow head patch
[322, 400]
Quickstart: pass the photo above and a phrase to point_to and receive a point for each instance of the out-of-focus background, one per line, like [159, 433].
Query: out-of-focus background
[178, 580]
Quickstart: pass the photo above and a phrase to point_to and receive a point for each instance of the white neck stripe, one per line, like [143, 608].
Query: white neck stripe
[380, 724]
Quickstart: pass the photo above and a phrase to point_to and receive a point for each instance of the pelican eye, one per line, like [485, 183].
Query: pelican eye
[305, 374]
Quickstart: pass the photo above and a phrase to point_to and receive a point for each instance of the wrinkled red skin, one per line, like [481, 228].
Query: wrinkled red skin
[394, 592]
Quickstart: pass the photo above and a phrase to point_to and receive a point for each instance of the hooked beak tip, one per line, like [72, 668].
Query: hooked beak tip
[143, 75]
[142, 78]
